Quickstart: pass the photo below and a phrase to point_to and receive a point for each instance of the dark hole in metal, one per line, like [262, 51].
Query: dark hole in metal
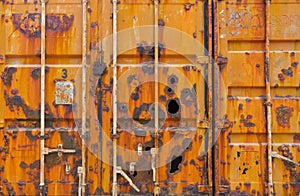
[169, 91]
[173, 106]
[147, 148]
[175, 164]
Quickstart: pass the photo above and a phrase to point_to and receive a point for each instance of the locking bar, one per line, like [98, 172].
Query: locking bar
[155, 160]
[120, 171]
[81, 187]
[60, 150]
[279, 156]
[268, 96]
[116, 169]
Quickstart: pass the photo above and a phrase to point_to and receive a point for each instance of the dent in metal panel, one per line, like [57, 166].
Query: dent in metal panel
[64, 92]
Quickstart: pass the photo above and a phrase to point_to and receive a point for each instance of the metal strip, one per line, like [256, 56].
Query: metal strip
[269, 99]
[263, 98]
[115, 169]
[159, 65]
[81, 187]
[46, 65]
[43, 62]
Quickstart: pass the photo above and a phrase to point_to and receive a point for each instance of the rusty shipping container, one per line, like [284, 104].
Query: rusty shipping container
[149, 97]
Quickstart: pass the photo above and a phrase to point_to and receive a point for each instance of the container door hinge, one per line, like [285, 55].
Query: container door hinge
[60, 150]
[120, 171]
[276, 155]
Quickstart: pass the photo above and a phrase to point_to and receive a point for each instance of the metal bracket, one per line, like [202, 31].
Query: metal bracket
[153, 154]
[276, 155]
[60, 150]
[132, 167]
[120, 171]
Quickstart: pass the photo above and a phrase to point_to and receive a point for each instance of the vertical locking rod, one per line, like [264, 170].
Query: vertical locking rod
[269, 99]
[82, 175]
[42, 117]
[156, 125]
[114, 64]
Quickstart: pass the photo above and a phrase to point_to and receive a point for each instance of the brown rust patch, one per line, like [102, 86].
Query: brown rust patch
[247, 121]
[287, 72]
[188, 6]
[222, 62]
[283, 115]
[30, 23]
[7, 75]
[285, 151]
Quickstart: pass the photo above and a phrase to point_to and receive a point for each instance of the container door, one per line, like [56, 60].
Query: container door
[40, 147]
[257, 58]
[152, 77]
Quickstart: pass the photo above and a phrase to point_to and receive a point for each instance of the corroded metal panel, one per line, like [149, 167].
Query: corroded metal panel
[258, 96]
[153, 134]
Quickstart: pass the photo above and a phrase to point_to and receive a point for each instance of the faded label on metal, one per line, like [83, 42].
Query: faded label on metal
[64, 92]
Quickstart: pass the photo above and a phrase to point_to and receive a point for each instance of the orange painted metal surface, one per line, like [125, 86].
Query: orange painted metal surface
[213, 135]
[257, 45]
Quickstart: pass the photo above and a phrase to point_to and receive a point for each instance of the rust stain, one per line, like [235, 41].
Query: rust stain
[30, 23]
[222, 62]
[7, 75]
[283, 115]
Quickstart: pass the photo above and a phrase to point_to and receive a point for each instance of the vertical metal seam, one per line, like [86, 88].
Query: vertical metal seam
[43, 61]
[114, 64]
[268, 96]
[83, 126]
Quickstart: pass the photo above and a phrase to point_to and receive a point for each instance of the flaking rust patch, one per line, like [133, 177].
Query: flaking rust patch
[283, 115]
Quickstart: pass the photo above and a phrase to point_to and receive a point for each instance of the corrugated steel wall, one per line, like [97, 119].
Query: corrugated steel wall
[168, 97]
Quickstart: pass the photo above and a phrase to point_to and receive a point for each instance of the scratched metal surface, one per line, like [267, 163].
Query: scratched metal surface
[237, 166]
